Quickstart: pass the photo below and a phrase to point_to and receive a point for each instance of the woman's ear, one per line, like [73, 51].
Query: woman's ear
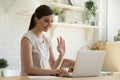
[36, 19]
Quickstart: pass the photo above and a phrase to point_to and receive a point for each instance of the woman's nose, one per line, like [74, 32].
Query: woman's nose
[50, 23]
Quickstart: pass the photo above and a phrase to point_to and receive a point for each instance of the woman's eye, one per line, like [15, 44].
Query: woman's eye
[51, 21]
[46, 21]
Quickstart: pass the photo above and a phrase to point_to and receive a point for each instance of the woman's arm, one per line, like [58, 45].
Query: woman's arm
[55, 64]
[64, 63]
[26, 51]
[60, 62]
[61, 49]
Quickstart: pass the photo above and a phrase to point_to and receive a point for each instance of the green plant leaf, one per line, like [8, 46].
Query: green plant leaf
[56, 11]
[3, 63]
[90, 7]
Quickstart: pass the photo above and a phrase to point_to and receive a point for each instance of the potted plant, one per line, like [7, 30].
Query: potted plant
[90, 11]
[56, 12]
[117, 37]
[3, 64]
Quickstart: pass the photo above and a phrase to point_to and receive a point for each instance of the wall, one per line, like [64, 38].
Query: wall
[103, 19]
[11, 31]
[113, 19]
[75, 40]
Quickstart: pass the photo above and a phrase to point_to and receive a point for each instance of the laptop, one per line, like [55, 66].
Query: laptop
[88, 63]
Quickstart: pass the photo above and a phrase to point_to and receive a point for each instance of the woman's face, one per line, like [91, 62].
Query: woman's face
[44, 23]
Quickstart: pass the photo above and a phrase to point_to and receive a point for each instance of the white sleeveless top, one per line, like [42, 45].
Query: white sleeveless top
[40, 50]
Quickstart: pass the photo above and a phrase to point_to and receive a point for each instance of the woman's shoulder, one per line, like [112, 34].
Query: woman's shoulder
[27, 34]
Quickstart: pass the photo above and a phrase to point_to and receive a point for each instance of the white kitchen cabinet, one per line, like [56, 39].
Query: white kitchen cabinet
[73, 24]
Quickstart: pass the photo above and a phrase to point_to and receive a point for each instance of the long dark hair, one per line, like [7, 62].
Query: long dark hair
[42, 10]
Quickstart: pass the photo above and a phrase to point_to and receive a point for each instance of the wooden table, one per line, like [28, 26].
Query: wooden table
[115, 76]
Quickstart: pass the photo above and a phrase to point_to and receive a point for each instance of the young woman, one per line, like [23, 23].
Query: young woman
[36, 49]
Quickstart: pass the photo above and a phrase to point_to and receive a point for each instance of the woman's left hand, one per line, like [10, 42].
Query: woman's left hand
[61, 46]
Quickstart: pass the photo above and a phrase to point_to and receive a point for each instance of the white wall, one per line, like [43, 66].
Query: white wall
[102, 19]
[74, 37]
[11, 31]
[113, 19]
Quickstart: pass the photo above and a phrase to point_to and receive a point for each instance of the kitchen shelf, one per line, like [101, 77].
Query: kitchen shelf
[87, 28]
[79, 9]
[69, 7]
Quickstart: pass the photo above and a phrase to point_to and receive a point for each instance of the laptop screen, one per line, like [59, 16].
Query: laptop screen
[88, 63]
